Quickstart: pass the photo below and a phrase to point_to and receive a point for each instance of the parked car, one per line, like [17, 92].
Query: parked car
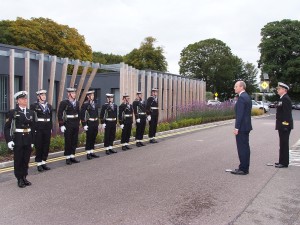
[273, 104]
[263, 103]
[213, 103]
[296, 106]
[256, 105]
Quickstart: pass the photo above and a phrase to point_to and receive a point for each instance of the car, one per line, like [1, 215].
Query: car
[263, 103]
[273, 104]
[256, 105]
[296, 106]
[213, 103]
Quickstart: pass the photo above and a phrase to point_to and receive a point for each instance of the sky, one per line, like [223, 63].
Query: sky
[119, 26]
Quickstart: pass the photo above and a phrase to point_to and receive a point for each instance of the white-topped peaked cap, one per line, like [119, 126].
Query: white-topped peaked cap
[71, 89]
[109, 95]
[90, 92]
[125, 95]
[138, 92]
[20, 94]
[154, 89]
[283, 85]
[41, 91]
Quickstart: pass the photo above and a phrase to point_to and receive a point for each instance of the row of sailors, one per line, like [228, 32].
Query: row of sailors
[27, 128]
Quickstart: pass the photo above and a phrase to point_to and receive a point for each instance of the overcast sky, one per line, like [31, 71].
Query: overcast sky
[118, 26]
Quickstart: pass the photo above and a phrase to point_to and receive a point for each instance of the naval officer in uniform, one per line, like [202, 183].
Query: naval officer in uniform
[152, 112]
[139, 108]
[18, 131]
[284, 124]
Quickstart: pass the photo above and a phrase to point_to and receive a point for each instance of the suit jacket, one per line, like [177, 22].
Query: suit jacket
[284, 118]
[242, 110]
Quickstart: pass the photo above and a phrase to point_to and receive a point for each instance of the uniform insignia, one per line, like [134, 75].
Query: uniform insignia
[285, 123]
[7, 119]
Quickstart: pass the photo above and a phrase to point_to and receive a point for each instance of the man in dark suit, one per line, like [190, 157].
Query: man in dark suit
[284, 124]
[243, 127]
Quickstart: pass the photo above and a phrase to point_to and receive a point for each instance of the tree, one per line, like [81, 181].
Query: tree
[147, 56]
[47, 36]
[280, 52]
[107, 58]
[212, 61]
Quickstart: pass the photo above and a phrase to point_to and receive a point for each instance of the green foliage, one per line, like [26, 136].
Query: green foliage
[57, 143]
[47, 36]
[280, 52]
[81, 139]
[213, 61]
[4, 150]
[107, 58]
[257, 112]
[147, 56]
[100, 138]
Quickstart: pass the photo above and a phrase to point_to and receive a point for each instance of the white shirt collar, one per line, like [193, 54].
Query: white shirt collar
[241, 92]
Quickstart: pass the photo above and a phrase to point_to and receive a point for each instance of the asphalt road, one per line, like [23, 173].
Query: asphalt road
[180, 180]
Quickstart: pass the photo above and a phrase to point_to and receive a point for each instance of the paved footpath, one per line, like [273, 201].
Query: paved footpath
[181, 180]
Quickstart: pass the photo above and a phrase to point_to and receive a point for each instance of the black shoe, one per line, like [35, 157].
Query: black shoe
[68, 161]
[113, 151]
[138, 144]
[40, 168]
[21, 183]
[239, 172]
[107, 152]
[73, 160]
[280, 166]
[142, 144]
[127, 147]
[26, 182]
[45, 167]
[124, 148]
[276, 163]
[153, 141]
[94, 155]
[88, 156]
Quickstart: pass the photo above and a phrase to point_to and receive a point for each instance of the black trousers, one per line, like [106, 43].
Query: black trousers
[71, 140]
[140, 129]
[126, 132]
[242, 142]
[109, 133]
[153, 126]
[284, 136]
[42, 143]
[91, 135]
[21, 160]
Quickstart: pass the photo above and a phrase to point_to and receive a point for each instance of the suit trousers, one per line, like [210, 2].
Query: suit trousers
[140, 129]
[71, 140]
[91, 135]
[126, 132]
[153, 126]
[42, 143]
[21, 160]
[110, 133]
[284, 136]
[242, 142]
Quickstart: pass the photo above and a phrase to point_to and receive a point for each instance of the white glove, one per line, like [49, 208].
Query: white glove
[86, 128]
[63, 129]
[103, 126]
[138, 120]
[11, 145]
[122, 126]
[32, 145]
[149, 118]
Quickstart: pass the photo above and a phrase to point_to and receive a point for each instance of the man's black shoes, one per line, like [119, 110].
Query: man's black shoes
[88, 156]
[26, 182]
[45, 167]
[94, 155]
[239, 172]
[21, 183]
[73, 160]
[40, 168]
[153, 141]
[107, 152]
[68, 161]
[113, 151]
[127, 147]
[280, 166]
[124, 148]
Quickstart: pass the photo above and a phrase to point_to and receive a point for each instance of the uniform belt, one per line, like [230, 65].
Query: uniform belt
[72, 116]
[23, 130]
[43, 120]
[142, 113]
[154, 107]
[128, 115]
[110, 119]
[93, 119]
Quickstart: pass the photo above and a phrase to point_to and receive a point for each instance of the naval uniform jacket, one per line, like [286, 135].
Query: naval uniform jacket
[72, 114]
[284, 118]
[93, 114]
[152, 106]
[125, 114]
[21, 120]
[43, 116]
[108, 111]
[139, 108]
